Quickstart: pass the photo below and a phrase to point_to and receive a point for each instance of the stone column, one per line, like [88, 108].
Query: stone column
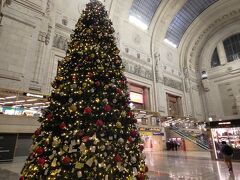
[43, 47]
[221, 53]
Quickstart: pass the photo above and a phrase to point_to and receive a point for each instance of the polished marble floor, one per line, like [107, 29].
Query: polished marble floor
[162, 166]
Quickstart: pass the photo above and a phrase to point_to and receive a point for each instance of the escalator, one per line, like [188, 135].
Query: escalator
[200, 143]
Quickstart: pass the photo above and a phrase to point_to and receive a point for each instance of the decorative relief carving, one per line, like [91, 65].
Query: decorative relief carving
[137, 60]
[137, 39]
[41, 36]
[3, 3]
[169, 56]
[48, 7]
[211, 26]
[60, 42]
[138, 70]
[185, 72]
[172, 83]
[117, 37]
[45, 37]
[48, 35]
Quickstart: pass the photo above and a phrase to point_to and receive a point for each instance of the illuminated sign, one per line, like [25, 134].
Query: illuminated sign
[158, 133]
[136, 97]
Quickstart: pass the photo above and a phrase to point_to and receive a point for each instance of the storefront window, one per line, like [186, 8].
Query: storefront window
[229, 135]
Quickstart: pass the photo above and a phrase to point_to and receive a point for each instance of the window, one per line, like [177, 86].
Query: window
[142, 12]
[232, 47]
[215, 59]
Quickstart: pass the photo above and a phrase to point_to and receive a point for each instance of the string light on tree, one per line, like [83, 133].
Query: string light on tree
[88, 131]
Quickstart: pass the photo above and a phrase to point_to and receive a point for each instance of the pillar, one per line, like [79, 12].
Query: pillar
[221, 53]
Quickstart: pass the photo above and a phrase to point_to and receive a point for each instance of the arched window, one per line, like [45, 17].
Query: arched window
[215, 59]
[232, 47]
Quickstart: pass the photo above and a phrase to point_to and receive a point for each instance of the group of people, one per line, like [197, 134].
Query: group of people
[172, 145]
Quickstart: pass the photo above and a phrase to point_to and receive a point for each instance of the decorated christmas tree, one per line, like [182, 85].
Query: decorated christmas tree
[88, 131]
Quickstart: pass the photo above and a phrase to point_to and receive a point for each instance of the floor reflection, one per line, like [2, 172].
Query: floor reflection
[162, 166]
[177, 166]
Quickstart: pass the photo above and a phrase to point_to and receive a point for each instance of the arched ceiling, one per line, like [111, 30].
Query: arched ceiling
[143, 10]
[184, 18]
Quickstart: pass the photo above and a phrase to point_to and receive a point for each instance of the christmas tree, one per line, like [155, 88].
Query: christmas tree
[88, 131]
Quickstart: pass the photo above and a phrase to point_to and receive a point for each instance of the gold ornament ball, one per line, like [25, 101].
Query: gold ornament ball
[57, 91]
[89, 31]
[97, 100]
[119, 124]
[55, 142]
[73, 108]
[123, 114]
[80, 92]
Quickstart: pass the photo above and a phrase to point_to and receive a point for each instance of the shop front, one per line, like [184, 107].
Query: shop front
[228, 131]
[152, 139]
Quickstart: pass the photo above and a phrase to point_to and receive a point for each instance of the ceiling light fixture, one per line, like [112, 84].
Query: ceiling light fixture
[38, 103]
[10, 102]
[170, 43]
[27, 104]
[10, 97]
[34, 95]
[20, 101]
[30, 100]
[137, 22]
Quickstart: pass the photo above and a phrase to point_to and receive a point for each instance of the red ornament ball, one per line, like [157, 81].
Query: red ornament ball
[37, 132]
[87, 110]
[130, 113]
[21, 178]
[97, 83]
[134, 120]
[118, 90]
[85, 139]
[99, 122]
[41, 161]
[140, 176]
[133, 133]
[146, 168]
[49, 116]
[74, 77]
[89, 74]
[39, 150]
[66, 160]
[130, 139]
[141, 147]
[118, 158]
[107, 108]
[79, 134]
[62, 126]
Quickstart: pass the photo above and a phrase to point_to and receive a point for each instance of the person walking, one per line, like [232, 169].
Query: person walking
[227, 153]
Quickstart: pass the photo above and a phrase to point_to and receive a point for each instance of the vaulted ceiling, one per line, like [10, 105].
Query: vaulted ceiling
[144, 11]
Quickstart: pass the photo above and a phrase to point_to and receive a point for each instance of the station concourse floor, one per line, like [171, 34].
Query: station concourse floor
[165, 165]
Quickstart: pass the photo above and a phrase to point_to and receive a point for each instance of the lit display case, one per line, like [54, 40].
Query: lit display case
[228, 131]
